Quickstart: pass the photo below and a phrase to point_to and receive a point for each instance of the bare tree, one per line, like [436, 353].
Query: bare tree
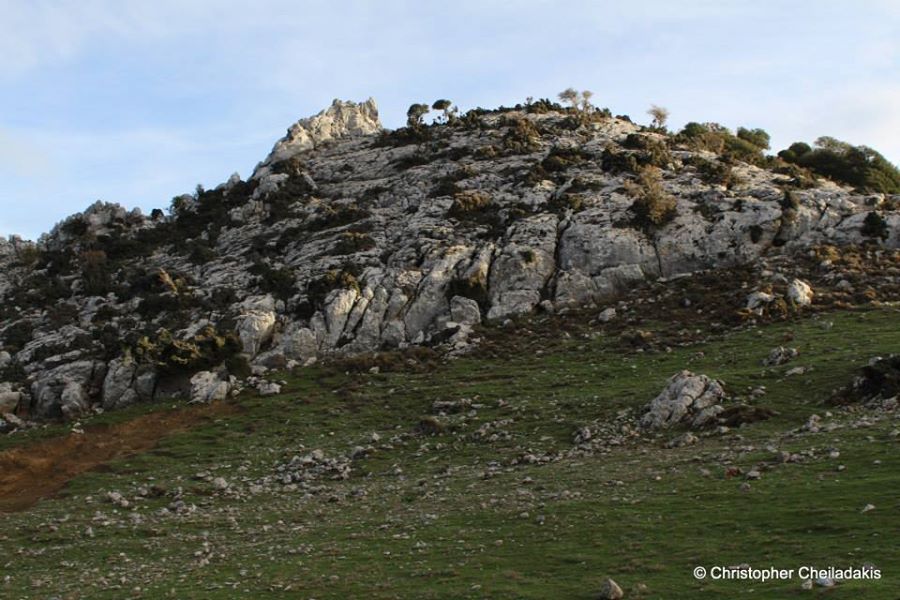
[660, 116]
[586, 96]
[570, 96]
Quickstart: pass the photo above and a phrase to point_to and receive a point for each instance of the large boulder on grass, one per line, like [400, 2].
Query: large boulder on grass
[687, 399]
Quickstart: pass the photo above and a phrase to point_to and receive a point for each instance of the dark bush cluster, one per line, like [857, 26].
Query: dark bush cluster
[447, 185]
[747, 146]
[874, 226]
[713, 171]
[277, 281]
[329, 216]
[207, 349]
[858, 166]
[473, 287]
[521, 137]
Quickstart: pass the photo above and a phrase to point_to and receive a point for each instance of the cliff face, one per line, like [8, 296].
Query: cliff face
[348, 238]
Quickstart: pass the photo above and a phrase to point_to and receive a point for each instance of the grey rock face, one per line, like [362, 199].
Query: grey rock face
[339, 120]
[345, 240]
[65, 390]
[687, 398]
[126, 383]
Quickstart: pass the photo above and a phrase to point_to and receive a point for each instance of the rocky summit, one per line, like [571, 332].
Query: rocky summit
[350, 238]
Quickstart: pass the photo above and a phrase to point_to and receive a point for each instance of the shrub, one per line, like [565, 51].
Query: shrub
[403, 136]
[467, 203]
[653, 207]
[652, 151]
[614, 161]
[95, 273]
[758, 137]
[473, 287]
[205, 350]
[522, 136]
[712, 171]
[16, 335]
[874, 226]
[446, 185]
[330, 216]
[239, 366]
[414, 159]
[560, 159]
[713, 137]
[542, 106]
[278, 282]
[858, 166]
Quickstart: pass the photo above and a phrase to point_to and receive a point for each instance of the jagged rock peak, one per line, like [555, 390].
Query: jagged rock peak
[100, 218]
[341, 119]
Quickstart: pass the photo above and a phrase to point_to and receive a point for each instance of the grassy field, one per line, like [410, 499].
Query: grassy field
[493, 499]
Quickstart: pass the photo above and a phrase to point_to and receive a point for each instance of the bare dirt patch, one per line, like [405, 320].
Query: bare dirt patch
[40, 469]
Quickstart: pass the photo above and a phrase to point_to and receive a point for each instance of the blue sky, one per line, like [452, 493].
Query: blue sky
[135, 102]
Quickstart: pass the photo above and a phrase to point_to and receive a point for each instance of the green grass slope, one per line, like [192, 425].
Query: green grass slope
[492, 499]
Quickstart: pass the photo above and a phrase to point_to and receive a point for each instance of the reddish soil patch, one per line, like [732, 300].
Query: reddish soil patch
[41, 469]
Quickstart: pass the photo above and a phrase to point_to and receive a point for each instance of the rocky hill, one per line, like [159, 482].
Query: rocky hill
[349, 238]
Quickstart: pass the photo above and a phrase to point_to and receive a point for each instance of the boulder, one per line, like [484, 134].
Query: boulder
[800, 293]
[207, 386]
[127, 383]
[299, 343]
[464, 311]
[10, 396]
[73, 400]
[254, 329]
[687, 399]
[610, 590]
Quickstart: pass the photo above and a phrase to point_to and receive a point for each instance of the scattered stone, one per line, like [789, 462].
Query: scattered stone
[607, 315]
[268, 388]
[757, 300]
[686, 439]
[779, 356]
[610, 590]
